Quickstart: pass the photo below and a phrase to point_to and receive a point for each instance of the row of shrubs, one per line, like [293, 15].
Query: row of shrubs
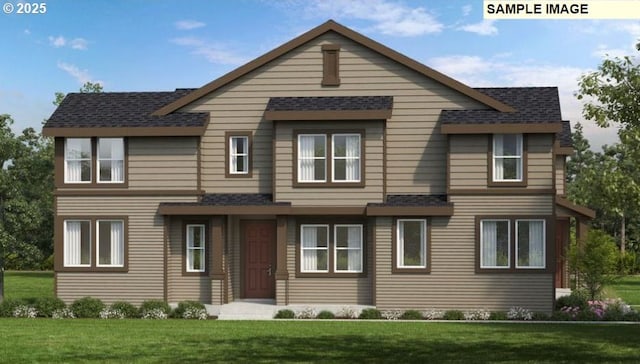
[515, 313]
[89, 307]
[578, 307]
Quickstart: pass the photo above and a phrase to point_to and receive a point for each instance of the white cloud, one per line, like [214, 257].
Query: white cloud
[466, 10]
[460, 65]
[189, 24]
[27, 32]
[213, 52]
[485, 27]
[82, 76]
[388, 17]
[75, 43]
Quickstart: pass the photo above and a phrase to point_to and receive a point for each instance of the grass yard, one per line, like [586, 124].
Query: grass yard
[18, 284]
[173, 341]
[627, 288]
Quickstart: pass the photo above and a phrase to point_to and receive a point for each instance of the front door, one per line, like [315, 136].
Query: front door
[259, 252]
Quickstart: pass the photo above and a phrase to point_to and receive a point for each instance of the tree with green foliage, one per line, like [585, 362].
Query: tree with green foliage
[594, 262]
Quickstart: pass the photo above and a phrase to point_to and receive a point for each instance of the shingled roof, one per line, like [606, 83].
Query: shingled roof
[534, 105]
[414, 200]
[341, 103]
[564, 137]
[122, 110]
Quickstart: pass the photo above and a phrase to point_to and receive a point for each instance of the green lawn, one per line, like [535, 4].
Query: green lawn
[178, 341]
[627, 288]
[28, 284]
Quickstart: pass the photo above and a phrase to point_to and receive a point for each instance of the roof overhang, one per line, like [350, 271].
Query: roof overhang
[558, 150]
[72, 132]
[194, 209]
[316, 115]
[410, 210]
[502, 128]
[576, 210]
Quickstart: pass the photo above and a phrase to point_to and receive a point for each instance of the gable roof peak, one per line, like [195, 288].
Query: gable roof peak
[332, 25]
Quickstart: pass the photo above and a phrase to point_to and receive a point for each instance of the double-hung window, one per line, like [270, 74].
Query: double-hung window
[77, 160]
[495, 244]
[110, 160]
[312, 158]
[77, 243]
[503, 240]
[411, 240]
[315, 248]
[346, 157]
[348, 248]
[195, 254]
[507, 158]
[238, 155]
[110, 243]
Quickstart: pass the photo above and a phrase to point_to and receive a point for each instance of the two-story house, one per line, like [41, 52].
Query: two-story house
[330, 170]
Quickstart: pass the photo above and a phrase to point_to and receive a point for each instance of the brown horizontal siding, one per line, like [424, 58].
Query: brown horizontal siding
[453, 283]
[163, 163]
[560, 171]
[540, 165]
[347, 291]
[417, 104]
[180, 287]
[144, 280]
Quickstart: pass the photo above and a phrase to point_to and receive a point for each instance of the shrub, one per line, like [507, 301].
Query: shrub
[411, 315]
[498, 316]
[306, 313]
[326, 315]
[519, 313]
[46, 305]
[370, 314]
[616, 310]
[9, 305]
[391, 314]
[87, 307]
[47, 264]
[432, 315]
[154, 305]
[24, 311]
[111, 313]
[63, 313]
[628, 263]
[632, 316]
[285, 314]
[481, 315]
[154, 314]
[347, 312]
[540, 316]
[190, 310]
[453, 315]
[595, 262]
[577, 298]
[127, 309]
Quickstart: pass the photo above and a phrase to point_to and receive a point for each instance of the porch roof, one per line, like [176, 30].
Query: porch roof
[318, 108]
[263, 204]
[574, 209]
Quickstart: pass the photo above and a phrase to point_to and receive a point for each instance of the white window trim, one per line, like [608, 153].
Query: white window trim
[98, 221]
[233, 169]
[518, 157]
[98, 159]
[66, 180]
[336, 248]
[64, 239]
[324, 136]
[203, 248]
[400, 243]
[302, 248]
[508, 266]
[544, 245]
[334, 158]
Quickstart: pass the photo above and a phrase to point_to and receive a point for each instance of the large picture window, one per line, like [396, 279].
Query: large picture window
[195, 261]
[77, 160]
[511, 244]
[411, 243]
[110, 160]
[507, 158]
[332, 249]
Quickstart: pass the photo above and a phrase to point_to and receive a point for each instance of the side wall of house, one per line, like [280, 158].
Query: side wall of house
[145, 277]
[453, 282]
[560, 170]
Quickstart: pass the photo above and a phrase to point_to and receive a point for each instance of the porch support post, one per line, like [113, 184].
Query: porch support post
[281, 249]
[581, 230]
[217, 269]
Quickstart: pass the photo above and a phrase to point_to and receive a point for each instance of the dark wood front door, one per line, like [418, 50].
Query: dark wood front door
[259, 252]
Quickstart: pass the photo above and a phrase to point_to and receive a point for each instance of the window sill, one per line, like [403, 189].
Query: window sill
[512, 270]
[195, 274]
[331, 275]
[396, 270]
[328, 184]
[92, 270]
[507, 183]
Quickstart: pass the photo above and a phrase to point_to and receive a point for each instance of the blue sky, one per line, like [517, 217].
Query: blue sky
[147, 45]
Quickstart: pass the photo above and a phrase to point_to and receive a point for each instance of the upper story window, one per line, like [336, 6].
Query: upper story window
[77, 160]
[329, 159]
[94, 160]
[238, 154]
[502, 240]
[111, 160]
[312, 158]
[507, 158]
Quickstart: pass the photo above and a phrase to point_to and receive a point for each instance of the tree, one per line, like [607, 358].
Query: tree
[594, 262]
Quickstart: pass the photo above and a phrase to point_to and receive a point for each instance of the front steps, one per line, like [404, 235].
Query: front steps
[249, 310]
